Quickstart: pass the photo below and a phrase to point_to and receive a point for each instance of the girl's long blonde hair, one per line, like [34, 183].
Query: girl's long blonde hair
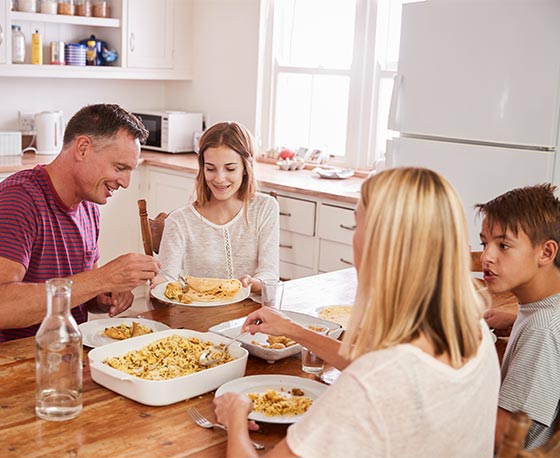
[414, 276]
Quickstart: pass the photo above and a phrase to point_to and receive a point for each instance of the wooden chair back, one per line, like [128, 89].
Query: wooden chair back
[514, 440]
[152, 229]
[476, 263]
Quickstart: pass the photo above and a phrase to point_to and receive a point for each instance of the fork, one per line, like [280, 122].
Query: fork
[202, 421]
[182, 280]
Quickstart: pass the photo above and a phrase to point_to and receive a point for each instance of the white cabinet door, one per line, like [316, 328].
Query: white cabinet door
[297, 215]
[335, 256]
[120, 223]
[168, 190]
[150, 34]
[336, 224]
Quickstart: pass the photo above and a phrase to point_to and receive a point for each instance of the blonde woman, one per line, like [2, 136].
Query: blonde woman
[230, 230]
[421, 374]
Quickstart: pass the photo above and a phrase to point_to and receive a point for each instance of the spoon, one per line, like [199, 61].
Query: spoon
[216, 353]
[204, 358]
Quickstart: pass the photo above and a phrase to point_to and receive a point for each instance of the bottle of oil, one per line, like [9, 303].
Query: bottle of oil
[58, 357]
[36, 48]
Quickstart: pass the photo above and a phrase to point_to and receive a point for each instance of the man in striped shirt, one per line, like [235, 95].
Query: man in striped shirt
[49, 223]
[520, 235]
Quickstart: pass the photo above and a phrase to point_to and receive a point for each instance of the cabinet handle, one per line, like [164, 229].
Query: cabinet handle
[348, 228]
[131, 42]
[285, 214]
[290, 247]
[346, 262]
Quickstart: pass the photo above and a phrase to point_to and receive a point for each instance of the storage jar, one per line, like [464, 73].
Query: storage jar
[49, 6]
[18, 45]
[66, 7]
[101, 8]
[83, 8]
[27, 6]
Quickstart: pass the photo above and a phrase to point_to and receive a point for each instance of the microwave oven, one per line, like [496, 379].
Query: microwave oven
[170, 131]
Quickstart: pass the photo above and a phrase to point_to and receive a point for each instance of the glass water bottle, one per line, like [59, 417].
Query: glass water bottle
[58, 357]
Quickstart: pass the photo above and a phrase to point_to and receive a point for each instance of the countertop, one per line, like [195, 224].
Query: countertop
[303, 182]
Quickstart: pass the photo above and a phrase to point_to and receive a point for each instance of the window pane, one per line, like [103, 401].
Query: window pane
[311, 111]
[293, 108]
[383, 105]
[315, 33]
[329, 113]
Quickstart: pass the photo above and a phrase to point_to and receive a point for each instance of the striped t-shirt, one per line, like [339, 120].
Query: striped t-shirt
[40, 232]
[531, 368]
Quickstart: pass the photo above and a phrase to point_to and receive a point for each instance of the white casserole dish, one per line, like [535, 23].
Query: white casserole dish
[164, 392]
[233, 328]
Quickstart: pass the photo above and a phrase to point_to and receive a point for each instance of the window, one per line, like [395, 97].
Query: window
[327, 76]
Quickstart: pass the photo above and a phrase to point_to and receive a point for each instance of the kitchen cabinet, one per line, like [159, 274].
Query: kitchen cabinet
[336, 227]
[119, 222]
[315, 235]
[166, 190]
[153, 40]
[149, 37]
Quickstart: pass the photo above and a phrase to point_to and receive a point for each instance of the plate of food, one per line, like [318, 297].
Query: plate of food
[202, 292]
[337, 313]
[273, 348]
[96, 333]
[276, 398]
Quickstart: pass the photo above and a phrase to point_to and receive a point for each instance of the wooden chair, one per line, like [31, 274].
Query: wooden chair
[476, 263]
[152, 229]
[514, 440]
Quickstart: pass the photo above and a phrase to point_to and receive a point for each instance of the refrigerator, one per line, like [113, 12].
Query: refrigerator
[476, 95]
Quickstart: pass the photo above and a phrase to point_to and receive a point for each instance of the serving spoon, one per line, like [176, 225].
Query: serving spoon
[205, 358]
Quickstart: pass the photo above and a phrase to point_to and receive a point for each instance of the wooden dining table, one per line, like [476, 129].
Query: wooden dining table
[111, 425]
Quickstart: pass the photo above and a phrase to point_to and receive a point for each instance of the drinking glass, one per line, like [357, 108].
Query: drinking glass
[310, 362]
[272, 293]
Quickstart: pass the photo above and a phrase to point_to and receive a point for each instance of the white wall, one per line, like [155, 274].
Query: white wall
[69, 95]
[225, 63]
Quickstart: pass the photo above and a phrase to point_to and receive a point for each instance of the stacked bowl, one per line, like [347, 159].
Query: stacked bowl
[75, 54]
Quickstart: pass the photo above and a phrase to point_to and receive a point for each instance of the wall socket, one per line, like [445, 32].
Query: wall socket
[26, 122]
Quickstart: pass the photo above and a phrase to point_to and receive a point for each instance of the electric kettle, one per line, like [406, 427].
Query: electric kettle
[50, 131]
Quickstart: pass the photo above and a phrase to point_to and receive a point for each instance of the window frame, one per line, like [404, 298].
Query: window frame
[366, 71]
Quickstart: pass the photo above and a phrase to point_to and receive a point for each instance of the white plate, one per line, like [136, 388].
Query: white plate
[341, 320]
[159, 293]
[233, 328]
[92, 331]
[261, 383]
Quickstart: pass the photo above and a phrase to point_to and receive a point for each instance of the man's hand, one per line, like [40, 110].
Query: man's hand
[128, 271]
[113, 303]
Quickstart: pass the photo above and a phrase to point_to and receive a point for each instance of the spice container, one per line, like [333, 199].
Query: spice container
[57, 53]
[36, 48]
[66, 7]
[91, 53]
[83, 8]
[49, 6]
[101, 8]
[18, 45]
[27, 6]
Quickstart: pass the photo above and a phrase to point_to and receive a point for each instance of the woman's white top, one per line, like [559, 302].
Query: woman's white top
[402, 402]
[195, 246]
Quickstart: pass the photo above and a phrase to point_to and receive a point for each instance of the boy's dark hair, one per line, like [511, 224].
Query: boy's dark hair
[104, 120]
[533, 209]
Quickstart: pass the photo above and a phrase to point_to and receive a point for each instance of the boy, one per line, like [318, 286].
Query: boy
[520, 236]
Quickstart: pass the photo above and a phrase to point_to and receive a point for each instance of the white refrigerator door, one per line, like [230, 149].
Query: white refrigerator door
[478, 173]
[480, 70]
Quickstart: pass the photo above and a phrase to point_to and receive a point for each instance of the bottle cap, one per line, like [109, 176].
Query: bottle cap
[91, 43]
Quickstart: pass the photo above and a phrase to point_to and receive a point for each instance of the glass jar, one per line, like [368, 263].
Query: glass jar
[66, 7]
[18, 45]
[101, 8]
[49, 6]
[83, 8]
[58, 357]
[27, 6]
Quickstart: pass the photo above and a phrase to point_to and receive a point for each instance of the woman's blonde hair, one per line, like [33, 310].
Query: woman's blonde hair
[414, 275]
[239, 139]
